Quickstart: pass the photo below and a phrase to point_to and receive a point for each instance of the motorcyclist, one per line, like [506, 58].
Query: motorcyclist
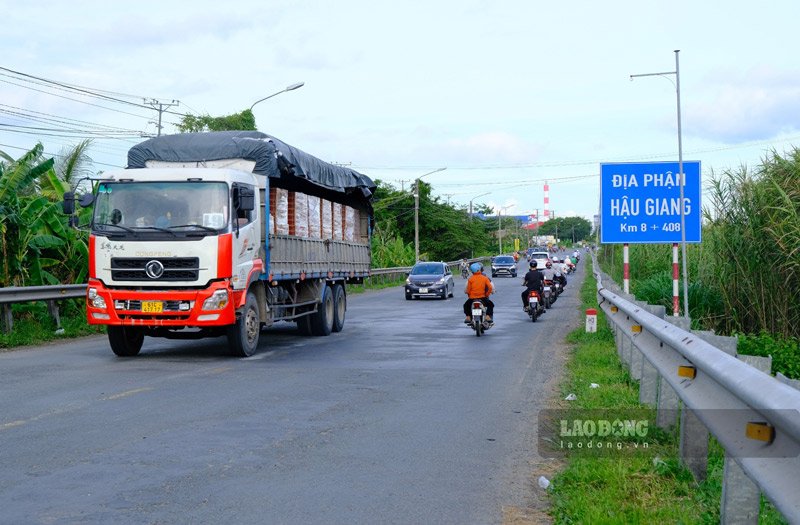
[548, 274]
[463, 266]
[480, 287]
[532, 281]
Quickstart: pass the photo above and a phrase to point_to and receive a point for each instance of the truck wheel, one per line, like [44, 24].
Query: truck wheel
[126, 341]
[322, 319]
[339, 307]
[243, 335]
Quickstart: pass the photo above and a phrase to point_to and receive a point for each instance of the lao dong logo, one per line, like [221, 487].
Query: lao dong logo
[617, 428]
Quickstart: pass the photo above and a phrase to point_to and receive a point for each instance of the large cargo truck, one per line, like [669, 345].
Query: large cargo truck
[224, 233]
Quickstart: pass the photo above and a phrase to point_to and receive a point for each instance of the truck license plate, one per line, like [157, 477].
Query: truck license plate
[152, 307]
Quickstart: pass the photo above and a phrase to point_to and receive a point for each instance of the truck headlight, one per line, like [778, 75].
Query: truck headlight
[217, 301]
[96, 300]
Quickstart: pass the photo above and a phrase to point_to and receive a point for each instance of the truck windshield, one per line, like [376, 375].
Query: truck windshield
[132, 207]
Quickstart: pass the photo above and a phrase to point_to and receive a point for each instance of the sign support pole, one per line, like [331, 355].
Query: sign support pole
[675, 307]
[682, 181]
[626, 269]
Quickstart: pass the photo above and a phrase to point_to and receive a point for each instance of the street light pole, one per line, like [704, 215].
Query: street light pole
[472, 199]
[290, 87]
[499, 230]
[416, 211]
[681, 184]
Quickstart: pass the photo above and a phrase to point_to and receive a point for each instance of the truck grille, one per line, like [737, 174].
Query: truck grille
[171, 269]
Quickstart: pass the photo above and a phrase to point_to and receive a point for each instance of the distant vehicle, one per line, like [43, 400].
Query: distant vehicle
[540, 257]
[505, 265]
[430, 279]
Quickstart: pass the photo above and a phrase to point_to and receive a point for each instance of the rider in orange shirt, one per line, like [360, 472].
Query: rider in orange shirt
[478, 287]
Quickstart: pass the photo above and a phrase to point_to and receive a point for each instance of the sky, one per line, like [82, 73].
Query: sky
[505, 95]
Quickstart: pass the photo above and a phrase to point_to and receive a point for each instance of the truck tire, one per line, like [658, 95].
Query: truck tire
[125, 341]
[243, 335]
[339, 307]
[322, 319]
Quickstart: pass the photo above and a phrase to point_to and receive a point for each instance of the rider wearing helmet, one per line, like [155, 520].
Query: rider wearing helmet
[549, 273]
[478, 287]
[533, 281]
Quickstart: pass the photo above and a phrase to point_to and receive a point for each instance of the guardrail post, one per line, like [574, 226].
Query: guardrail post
[741, 498]
[636, 358]
[8, 319]
[668, 406]
[694, 444]
[52, 307]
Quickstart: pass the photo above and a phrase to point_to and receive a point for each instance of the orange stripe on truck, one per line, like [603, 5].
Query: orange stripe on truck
[225, 256]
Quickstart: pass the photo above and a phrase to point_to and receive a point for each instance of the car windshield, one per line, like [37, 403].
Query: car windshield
[427, 269]
[504, 260]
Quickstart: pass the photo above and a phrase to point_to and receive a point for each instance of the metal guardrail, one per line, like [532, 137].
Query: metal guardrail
[755, 417]
[24, 294]
[51, 294]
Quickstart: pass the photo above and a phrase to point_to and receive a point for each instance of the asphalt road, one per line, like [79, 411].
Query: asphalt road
[403, 417]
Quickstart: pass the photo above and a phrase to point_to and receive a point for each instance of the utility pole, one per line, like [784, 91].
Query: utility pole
[162, 107]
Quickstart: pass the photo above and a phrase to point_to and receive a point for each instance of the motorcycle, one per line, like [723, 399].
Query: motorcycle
[549, 294]
[478, 321]
[464, 272]
[557, 288]
[534, 305]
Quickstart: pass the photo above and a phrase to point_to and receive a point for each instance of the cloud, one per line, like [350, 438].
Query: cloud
[492, 147]
[759, 104]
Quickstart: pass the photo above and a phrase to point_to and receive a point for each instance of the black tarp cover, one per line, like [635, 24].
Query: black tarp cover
[287, 166]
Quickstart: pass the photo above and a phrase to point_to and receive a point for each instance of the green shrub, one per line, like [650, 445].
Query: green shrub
[785, 352]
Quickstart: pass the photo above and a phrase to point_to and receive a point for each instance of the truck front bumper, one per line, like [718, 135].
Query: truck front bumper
[176, 308]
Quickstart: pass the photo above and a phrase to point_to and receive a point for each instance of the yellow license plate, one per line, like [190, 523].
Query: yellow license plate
[152, 307]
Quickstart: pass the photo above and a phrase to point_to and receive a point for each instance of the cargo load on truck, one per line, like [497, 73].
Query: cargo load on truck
[288, 167]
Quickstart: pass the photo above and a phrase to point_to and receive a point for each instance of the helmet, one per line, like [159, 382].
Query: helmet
[476, 267]
[533, 263]
[555, 259]
[548, 264]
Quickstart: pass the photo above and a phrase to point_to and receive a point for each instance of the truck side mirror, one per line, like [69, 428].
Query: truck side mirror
[247, 199]
[86, 200]
[68, 205]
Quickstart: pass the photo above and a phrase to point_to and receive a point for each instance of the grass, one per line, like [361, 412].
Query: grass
[641, 487]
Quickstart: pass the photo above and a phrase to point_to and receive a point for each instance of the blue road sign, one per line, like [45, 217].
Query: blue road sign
[640, 202]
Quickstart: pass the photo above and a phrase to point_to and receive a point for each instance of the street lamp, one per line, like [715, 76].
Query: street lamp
[677, 83]
[499, 231]
[291, 87]
[416, 211]
[472, 199]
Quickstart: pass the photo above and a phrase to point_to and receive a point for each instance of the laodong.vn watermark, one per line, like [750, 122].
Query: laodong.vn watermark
[596, 432]
[743, 433]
